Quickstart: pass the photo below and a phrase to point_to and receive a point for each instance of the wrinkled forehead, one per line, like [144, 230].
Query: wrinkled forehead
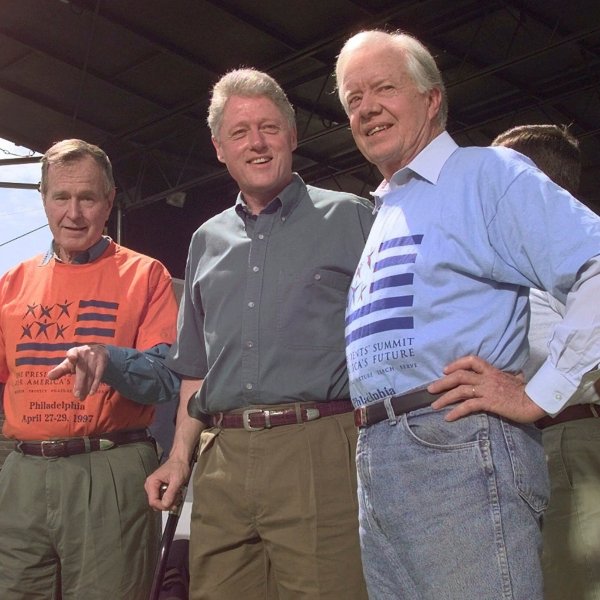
[371, 68]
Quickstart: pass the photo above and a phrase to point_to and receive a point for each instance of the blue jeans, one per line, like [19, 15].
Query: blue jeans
[451, 511]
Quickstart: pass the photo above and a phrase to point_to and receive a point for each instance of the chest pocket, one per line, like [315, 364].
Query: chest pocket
[311, 308]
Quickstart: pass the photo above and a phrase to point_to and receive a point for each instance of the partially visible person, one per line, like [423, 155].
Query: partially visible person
[261, 349]
[571, 525]
[452, 476]
[6, 445]
[74, 521]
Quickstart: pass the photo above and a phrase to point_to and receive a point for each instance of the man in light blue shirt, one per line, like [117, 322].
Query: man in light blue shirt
[452, 480]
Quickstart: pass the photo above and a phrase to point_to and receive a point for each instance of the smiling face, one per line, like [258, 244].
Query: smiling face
[391, 119]
[256, 143]
[77, 205]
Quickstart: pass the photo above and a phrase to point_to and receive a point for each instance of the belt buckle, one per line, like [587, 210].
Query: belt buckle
[312, 414]
[246, 419]
[51, 444]
[360, 416]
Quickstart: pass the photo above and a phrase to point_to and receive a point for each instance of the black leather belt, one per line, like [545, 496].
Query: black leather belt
[69, 446]
[571, 413]
[401, 404]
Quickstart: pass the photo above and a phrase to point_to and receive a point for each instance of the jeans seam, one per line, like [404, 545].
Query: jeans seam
[496, 513]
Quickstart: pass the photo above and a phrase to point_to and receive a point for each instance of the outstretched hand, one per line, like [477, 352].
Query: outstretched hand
[88, 364]
[473, 385]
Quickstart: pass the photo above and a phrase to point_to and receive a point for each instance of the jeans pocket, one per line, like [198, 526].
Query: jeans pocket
[429, 429]
[530, 472]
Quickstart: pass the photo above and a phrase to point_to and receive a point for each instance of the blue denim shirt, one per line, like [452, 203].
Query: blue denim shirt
[460, 236]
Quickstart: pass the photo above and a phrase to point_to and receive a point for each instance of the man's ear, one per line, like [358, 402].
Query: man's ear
[435, 102]
[217, 146]
[111, 199]
[294, 134]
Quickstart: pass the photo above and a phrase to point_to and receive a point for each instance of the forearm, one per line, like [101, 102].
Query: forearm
[141, 376]
[187, 429]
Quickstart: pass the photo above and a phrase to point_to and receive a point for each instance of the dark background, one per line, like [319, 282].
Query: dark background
[134, 76]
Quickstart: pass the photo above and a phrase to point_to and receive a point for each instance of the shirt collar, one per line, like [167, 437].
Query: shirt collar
[287, 199]
[90, 255]
[427, 164]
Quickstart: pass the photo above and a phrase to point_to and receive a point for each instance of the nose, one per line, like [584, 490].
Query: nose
[257, 139]
[369, 105]
[73, 209]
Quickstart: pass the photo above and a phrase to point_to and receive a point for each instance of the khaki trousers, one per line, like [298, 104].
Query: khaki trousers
[571, 526]
[78, 526]
[275, 514]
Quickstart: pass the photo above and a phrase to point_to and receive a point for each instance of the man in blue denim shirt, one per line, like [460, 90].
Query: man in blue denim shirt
[452, 487]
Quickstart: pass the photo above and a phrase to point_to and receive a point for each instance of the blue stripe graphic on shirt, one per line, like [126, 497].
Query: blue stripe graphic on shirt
[98, 304]
[386, 284]
[393, 281]
[39, 360]
[378, 327]
[54, 322]
[407, 240]
[391, 261]
[96, 317]
[44, 347]
[97, 331]
[383, 304]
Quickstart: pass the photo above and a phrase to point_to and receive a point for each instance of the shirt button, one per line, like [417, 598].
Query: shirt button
[249, 386]
[256, 269]
[283, 218]
[317, 276]
[250, 343]
[250, 304]
[261, 236]
[558, 396]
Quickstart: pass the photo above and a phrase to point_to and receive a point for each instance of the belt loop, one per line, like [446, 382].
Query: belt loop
[392, 418]
[594, 410]
[298, 410]
[86, 443]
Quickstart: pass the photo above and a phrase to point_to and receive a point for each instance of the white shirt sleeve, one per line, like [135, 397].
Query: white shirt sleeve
[574, 348]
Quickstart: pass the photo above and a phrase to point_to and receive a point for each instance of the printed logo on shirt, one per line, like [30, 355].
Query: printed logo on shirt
[44, 328]
[378, 289]
[379, 320]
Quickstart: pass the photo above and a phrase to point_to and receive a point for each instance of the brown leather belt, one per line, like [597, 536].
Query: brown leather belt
[69, 446]
[571, 413]
[401, 404]
[257, 419]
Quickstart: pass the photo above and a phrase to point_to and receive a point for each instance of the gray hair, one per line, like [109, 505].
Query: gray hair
[73, 150]
[248, 83]
[420, 63]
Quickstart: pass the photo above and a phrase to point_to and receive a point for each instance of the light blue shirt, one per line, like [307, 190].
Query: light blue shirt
[460, 236]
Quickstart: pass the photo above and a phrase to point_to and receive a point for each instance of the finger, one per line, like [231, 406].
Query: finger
[170, 497]
[64, 368]
[81, 386]
[97, 379]
[451, 381]
[152, 487]
[464, 409]
[467, 363]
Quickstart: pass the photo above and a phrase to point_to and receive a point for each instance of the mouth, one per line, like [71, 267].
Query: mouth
[260, 160]
[377, 129]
